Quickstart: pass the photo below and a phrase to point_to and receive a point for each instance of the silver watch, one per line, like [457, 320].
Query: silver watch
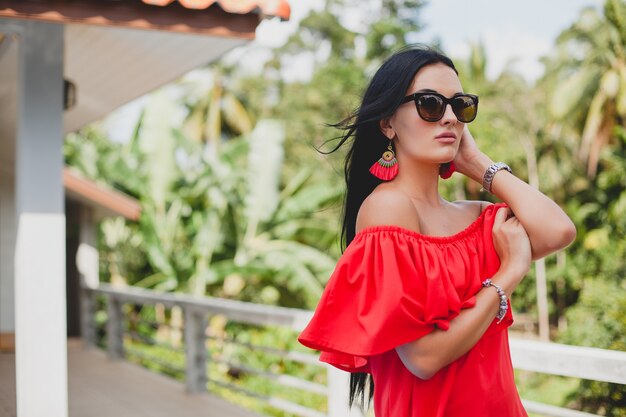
[491, 172]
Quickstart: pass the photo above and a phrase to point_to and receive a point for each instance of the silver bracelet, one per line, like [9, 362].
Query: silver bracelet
[503, 305]
[491, 172]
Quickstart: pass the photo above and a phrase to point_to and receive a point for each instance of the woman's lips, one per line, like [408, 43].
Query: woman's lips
[446, 139]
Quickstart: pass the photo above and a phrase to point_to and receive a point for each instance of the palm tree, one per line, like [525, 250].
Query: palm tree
[589, 69]
[216, 113]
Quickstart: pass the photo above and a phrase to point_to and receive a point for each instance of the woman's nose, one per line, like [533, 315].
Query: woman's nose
[448, 115]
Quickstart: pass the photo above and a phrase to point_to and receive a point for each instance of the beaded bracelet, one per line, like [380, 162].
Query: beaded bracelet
[503, 305]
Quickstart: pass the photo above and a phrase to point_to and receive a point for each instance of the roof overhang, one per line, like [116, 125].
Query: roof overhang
[208, 17]
[117, 51]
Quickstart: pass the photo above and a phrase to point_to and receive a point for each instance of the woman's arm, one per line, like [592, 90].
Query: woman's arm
[427, 355]
[549, 228]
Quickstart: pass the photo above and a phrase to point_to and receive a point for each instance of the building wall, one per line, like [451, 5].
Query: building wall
[7, 252]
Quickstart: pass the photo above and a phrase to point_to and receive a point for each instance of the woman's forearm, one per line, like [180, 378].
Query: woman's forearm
[548, 227]
[428, 354]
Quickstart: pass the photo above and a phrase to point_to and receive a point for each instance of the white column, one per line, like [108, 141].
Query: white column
[40, 318]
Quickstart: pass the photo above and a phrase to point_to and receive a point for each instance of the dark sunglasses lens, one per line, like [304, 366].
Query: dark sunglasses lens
[464, 108]
[430, 107]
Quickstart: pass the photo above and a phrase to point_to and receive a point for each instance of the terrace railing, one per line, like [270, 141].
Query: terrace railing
[121, 320]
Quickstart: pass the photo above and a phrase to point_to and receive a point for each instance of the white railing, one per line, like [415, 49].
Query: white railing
[548, 358]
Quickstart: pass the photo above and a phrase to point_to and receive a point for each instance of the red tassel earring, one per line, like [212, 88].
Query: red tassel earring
[386, 168]
[446, 170]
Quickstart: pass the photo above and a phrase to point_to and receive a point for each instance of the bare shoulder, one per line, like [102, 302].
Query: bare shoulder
[387, 206]
[474, 206]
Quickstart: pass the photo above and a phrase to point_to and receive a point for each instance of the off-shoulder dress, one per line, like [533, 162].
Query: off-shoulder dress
[393, 285]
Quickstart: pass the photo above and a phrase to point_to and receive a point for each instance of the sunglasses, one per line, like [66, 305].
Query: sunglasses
[432, 106]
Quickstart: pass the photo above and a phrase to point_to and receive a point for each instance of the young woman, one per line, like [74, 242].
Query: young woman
[418, 305]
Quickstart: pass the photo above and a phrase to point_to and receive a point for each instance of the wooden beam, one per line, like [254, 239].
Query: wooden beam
[134, 14]
[92, 194]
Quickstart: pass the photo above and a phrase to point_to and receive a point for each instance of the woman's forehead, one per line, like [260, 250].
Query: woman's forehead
[437, 77]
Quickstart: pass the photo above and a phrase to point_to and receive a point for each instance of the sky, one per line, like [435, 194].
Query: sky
[509, 29]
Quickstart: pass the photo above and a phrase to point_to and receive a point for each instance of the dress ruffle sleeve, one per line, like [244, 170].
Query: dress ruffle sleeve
[392, 286]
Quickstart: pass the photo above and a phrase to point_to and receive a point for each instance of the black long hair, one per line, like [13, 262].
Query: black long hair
[381, 99]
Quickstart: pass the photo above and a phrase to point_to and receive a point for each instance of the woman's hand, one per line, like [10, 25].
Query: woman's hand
[468, 154]
[513, 247]
[548, 227]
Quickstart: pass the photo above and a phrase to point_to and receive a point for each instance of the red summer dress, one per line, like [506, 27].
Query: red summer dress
[393, 285]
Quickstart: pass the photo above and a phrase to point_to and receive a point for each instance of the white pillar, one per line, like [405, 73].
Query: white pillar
[40, 318]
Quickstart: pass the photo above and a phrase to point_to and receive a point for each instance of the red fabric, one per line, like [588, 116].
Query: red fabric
[393, 285]
[382, 172]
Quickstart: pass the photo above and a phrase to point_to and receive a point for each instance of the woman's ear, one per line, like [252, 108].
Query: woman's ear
[386, 128]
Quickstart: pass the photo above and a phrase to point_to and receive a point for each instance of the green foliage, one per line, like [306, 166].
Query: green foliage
[320, 27]
[587, 79]
[586, 90]
[198, 228]
[545, 389]
[599, 320]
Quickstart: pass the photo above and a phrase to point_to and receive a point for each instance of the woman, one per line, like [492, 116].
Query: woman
[420, 297]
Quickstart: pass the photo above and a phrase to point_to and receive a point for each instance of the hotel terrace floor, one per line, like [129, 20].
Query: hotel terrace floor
[99, 387]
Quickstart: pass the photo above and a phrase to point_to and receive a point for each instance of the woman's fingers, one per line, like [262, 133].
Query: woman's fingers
[501, 216]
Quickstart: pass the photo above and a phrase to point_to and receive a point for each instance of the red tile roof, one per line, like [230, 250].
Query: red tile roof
[279, 8]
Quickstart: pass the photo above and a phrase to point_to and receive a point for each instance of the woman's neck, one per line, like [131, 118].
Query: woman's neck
[420, 181]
